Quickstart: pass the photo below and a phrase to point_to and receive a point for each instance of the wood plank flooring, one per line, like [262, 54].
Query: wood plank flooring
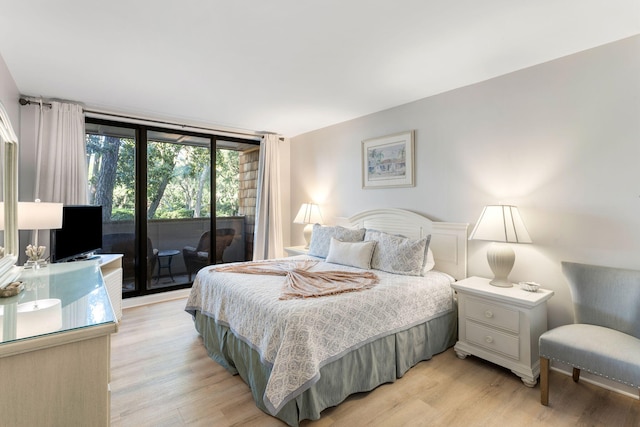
[162, 376]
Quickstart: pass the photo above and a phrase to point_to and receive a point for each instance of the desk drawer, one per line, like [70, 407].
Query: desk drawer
[492, 314]
[493, 340]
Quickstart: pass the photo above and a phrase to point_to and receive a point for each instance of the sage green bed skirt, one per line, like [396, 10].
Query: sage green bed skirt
[378, 362]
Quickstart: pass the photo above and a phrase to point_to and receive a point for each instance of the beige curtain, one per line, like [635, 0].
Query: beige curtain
[61, 166]
[268, 229]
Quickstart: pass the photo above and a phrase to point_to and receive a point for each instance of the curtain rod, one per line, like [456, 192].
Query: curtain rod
[144, 120]
[95, 113]
[25, 101]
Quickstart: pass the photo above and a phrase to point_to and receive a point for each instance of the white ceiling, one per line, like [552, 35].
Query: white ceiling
[286, 66]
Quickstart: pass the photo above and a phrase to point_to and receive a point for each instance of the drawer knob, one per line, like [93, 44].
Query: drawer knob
[488, 314]
[488, 339]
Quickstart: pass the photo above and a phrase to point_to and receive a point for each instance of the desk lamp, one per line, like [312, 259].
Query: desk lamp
[500, 224]
[308, 214]
[38, 216]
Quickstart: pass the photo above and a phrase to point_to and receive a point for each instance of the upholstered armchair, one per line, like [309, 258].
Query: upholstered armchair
[198, 257]
[605, 338]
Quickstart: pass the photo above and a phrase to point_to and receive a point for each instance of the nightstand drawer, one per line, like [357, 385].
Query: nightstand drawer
[493, 315]
[493, 340]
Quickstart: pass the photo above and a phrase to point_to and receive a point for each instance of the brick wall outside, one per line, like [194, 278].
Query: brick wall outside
[247, 196]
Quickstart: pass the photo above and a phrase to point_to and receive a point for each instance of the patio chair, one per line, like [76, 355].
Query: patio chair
[198, 257]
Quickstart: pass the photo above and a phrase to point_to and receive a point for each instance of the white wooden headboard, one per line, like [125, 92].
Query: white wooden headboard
[448, 239]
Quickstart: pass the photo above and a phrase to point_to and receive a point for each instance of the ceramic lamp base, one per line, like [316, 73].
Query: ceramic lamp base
[501, 258]
[308, 230]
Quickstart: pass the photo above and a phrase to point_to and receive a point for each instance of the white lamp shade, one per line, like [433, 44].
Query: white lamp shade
[1, 216]
[500, 223]
[39, 215]
[309, 213]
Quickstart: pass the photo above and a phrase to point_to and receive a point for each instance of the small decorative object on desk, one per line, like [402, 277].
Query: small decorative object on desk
[530, 286]
[9, 274]
[12, 289]
[34, 255]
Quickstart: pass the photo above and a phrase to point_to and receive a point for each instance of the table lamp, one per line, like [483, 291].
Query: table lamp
[38, 216]
[500, 224]
[308, 214]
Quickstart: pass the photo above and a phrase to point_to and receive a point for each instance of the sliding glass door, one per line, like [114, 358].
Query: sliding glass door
[162, 193]
[111, 156]
[178, 206]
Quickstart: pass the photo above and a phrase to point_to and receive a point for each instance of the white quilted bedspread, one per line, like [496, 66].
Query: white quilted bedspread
[297, 337]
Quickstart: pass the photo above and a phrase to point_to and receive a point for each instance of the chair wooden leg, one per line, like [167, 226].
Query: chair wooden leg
[576, 374]
[544, 381]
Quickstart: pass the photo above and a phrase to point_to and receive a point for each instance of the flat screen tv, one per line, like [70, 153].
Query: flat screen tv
[80, 235]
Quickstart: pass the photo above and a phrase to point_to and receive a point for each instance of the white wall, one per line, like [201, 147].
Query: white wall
[561, 140]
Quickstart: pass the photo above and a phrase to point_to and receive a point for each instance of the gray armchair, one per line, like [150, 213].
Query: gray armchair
[605, 338]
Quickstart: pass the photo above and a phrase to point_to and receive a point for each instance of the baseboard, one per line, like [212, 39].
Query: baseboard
[155, 298]
[598, 381]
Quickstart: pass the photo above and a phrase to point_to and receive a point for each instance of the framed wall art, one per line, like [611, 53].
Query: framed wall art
[388, 161]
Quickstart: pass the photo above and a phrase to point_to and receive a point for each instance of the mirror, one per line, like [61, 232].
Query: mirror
[9, 183]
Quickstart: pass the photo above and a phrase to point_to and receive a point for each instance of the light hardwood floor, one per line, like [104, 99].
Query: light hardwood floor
[162, 376]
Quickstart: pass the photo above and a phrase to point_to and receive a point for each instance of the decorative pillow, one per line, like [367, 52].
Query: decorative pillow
[355, 254]
[321, 238]
[398, 254]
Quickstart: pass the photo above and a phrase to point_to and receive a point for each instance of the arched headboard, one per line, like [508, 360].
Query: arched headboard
[448, 239]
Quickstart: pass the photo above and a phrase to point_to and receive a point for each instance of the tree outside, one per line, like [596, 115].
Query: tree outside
[178, 179]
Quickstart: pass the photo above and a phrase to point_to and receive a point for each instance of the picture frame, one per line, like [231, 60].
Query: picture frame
[388, 161]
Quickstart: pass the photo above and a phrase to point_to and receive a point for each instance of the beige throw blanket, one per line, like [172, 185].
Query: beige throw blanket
[302, 283]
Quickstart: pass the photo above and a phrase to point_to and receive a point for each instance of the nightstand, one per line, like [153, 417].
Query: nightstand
[296, 250]
[501, 325]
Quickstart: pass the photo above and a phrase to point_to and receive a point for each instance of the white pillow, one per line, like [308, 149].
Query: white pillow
[354, 254]
[429, 262]
[321, 238]
[398, 254]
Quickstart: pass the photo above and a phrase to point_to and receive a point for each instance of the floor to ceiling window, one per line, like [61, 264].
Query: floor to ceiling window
[158, 191]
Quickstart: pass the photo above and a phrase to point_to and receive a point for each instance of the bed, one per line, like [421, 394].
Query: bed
[302, 355]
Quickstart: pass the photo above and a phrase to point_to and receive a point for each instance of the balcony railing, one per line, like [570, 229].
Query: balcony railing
[175, 234]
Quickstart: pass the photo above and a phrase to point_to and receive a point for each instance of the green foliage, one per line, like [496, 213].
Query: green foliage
[121, 214]
[126, 176]
[94, 148]
[227, 182]
[175, 214]
[178, 179]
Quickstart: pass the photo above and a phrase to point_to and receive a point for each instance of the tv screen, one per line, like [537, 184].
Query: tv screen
[80, 235]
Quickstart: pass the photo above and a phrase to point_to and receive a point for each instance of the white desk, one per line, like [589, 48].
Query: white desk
[111, 267]
[61, 376]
